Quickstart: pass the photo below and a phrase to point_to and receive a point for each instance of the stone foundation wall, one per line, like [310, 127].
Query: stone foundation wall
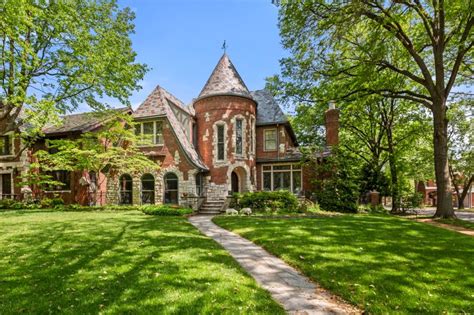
[216, 192]
[185, 187]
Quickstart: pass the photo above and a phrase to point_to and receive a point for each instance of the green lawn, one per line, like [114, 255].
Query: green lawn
[118, 262]
[382, 264]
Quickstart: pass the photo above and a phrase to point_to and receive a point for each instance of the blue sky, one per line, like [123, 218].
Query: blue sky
[181, 41]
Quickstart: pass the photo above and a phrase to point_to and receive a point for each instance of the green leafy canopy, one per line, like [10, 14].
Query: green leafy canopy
[57, 55]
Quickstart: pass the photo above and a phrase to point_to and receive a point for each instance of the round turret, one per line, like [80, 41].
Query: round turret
[225, 118]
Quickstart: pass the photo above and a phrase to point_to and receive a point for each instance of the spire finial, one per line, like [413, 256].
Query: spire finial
[224, 46]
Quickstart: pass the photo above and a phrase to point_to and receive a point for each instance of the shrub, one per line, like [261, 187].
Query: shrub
[337, 182]
[7, 203]
[411, 201]
[269, 201]
[51, 202]
[378, 209]
[166, 210]
[77, 207]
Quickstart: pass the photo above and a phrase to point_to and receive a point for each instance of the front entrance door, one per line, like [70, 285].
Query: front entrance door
[235, 182]
[5, 186]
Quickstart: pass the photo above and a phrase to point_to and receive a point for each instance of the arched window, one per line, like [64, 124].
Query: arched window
[148, 189]
[171, 188]
[125, 189]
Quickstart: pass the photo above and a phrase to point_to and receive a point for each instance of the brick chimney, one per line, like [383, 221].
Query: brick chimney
[332, 125]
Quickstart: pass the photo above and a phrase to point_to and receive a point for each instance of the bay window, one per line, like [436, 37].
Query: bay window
[282, 177]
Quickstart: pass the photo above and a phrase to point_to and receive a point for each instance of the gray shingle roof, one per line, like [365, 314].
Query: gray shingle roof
[158, 104]
[152, 105]
[224, 80]
[268, 110]
[80, 122]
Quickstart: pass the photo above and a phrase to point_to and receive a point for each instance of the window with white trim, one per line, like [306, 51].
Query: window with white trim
[220, 142]
[282, 177]
[270, 139]
[6, 145]
[150, 132]
[238, 136]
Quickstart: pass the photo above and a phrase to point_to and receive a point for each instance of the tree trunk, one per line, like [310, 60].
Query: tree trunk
[393, 173]
[444, 206]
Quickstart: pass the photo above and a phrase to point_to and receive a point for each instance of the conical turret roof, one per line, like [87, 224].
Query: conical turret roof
[225, 80]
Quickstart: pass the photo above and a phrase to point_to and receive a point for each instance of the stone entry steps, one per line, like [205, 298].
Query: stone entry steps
[211, 207]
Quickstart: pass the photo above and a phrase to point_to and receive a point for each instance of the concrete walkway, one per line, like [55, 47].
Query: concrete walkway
[455, 228]
[462, 215]
[292, 290]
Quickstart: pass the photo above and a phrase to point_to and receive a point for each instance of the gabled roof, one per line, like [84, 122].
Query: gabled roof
[225, 80]
[268, 111]
[79, 123]
[158, 104]
[152, 107]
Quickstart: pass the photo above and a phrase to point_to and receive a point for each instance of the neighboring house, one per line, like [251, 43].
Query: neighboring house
[428, 189]
[13, 161]
[74, 189]
[228, 140]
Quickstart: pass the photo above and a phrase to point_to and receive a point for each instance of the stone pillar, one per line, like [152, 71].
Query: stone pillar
[374, 197]
[332, 125]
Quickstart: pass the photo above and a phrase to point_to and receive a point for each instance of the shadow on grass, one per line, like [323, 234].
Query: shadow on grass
[118, 263]
[380, 263]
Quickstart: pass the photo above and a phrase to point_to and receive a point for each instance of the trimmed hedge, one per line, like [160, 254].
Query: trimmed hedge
[268, 201]
[58, 204]
[166, 210]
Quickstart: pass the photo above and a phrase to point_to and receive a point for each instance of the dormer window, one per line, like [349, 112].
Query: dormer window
[150, 132]
[6, 145]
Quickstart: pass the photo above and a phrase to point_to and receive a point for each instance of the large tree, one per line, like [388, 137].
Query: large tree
[407, 49]
[56, 55]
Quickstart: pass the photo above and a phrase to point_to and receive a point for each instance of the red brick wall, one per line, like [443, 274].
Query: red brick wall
[282, 138]
[223, 108]
[165, 154]
[332, 127]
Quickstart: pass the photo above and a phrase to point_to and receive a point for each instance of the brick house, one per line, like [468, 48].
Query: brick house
[228, 139]
[428, 191]
[13, 162]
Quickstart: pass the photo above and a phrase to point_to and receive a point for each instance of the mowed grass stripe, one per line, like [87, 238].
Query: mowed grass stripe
[382, 264]
[118, 262]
